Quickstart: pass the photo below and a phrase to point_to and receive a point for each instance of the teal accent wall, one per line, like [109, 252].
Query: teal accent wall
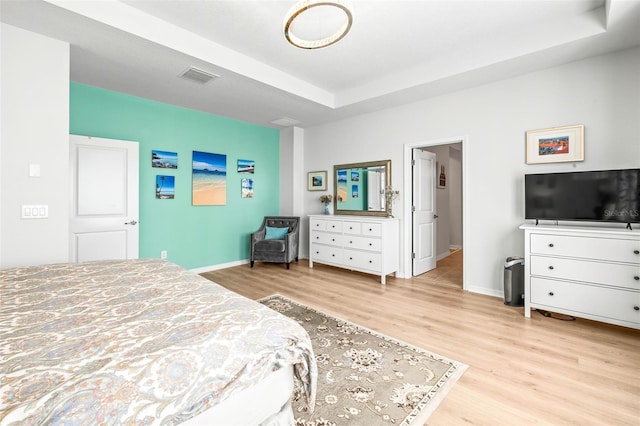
[193, 236]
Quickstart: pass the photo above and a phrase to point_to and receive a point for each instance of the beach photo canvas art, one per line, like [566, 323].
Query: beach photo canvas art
[209, 179]
[165, 187]
[164, 159]
[246, 166]
[247, 188]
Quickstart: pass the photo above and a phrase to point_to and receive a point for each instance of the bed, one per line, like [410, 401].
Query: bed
[143, 342]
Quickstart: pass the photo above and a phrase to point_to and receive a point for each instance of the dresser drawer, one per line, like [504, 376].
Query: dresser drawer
[372, 229]
[323, 253]
[362, 260]
[326, 238]
[353, 228]
[614, 274]
[325, 225]
[604, 302]
[317, 224]
[616, 250]
[362, 243]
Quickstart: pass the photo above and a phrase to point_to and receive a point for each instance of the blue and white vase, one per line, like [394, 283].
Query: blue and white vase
[326, 208]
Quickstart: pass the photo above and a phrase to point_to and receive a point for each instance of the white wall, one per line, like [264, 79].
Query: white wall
[603, 93]
[291, 166]
[455, 196]
[35, 130]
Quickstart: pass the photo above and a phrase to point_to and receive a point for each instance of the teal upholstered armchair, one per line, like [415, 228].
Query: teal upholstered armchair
[276, 241]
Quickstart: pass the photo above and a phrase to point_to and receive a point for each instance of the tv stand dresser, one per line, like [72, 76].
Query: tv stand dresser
[361, 243]
[587, 272]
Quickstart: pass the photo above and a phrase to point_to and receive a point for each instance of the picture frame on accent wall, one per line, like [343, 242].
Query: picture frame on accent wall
[164, 159]
[555, 145]
[317, 181]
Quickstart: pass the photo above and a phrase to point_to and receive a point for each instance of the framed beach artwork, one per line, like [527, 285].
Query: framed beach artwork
[209, 181]
[355, 176]
[247, 188]
[317, 181]
[164, 159]
[165, 187]
[342, 186]
[246, 166]
[555, 145]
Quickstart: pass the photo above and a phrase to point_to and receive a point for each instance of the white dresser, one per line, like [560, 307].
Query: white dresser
[586, 272]
[360, 243]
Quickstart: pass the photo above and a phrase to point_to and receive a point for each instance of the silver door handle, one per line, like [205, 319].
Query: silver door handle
[435, 216]
[133, 222]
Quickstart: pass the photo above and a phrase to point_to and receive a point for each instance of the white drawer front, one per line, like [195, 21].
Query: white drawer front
[334, 226]
[614, 274]
[615, 250]
[372, 229]
[363, 260]
[326, 238]
[326, 253]
[353, 228]
[362, 243]
[317, 224]
[582, 298]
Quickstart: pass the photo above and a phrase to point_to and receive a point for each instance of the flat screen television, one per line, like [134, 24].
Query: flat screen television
[596, 196]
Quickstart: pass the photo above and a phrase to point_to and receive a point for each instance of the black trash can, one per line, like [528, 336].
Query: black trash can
[514, 281]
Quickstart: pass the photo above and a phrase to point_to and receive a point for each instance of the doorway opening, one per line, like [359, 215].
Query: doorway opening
[450, 223]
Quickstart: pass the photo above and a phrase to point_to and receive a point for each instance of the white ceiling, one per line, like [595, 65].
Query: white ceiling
[397, 51]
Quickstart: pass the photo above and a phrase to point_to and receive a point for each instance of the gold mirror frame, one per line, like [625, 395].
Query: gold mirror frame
[385, 163]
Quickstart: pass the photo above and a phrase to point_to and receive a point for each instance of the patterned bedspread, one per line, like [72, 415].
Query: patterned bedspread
[133, 342]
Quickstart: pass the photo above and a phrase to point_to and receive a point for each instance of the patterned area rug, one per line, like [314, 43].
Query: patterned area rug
[364, 377]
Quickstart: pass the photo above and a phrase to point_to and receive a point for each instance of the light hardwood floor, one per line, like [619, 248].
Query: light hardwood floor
[521, 371]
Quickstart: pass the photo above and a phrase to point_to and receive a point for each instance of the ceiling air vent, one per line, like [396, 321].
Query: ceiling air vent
[197, 75]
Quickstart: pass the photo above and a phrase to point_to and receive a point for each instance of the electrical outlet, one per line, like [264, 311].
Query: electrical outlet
[163, 254]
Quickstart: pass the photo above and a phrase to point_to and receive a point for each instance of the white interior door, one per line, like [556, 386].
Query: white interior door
[104, 199]
[424, 208]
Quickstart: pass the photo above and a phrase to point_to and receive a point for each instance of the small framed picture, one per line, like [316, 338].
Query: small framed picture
[246, 166]
[317, 181]
[555, 145]
[164, 159]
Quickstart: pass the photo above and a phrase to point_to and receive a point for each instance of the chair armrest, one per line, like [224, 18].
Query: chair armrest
[258, 235]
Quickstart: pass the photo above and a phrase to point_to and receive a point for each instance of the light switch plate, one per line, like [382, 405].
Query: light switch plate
[35, 211]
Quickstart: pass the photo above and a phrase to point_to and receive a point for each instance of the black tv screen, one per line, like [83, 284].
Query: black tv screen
[603, 195]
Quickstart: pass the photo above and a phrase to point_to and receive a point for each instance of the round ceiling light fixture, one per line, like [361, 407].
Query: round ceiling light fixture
[313, 24]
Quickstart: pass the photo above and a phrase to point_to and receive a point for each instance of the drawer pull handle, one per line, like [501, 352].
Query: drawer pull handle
[350, 242]
[333, 239]
[636, 308]
[637, 278]
[551, 267]
[550, 293]
[370, 229]
[371, 261]
[333, 255]
[636, 252]
[550, 244]
[351, 258]
[351, 227]
[370, 244]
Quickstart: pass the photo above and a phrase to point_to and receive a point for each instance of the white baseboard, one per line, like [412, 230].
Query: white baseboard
[485, 291]
[220, 266]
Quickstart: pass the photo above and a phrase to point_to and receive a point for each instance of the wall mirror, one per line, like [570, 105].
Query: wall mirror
[358, 188]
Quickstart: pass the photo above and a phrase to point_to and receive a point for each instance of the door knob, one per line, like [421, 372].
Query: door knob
[133, 222]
